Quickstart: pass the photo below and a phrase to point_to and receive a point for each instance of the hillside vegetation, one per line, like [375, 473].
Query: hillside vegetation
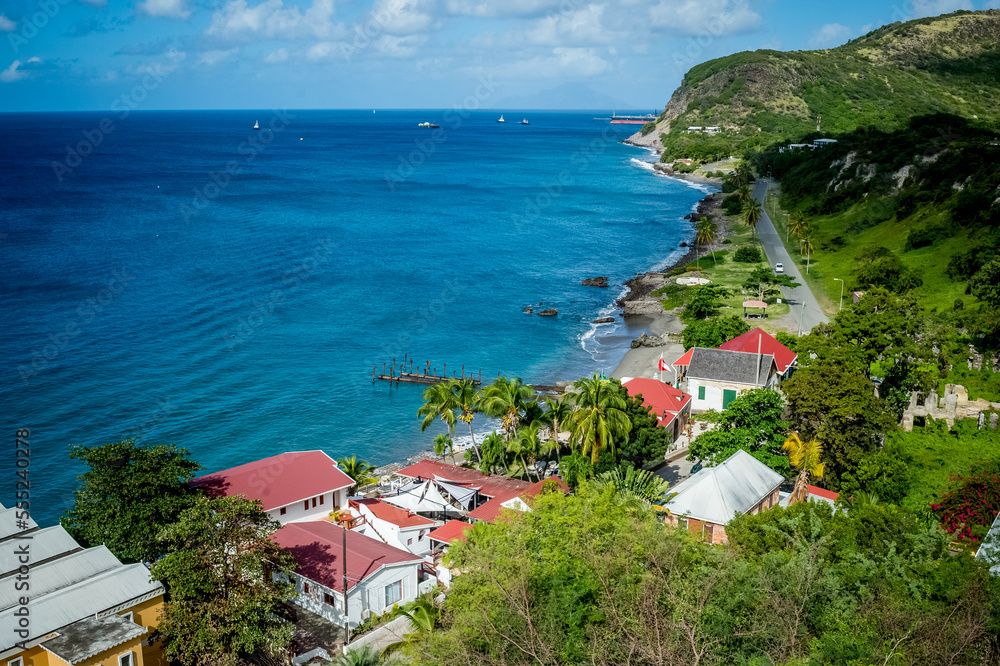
[947, 64]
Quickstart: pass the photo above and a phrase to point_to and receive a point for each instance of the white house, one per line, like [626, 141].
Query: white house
[819, 143]
[442, 538]
[293, 487]
[716, 376]
[378, 575]
[395, 526]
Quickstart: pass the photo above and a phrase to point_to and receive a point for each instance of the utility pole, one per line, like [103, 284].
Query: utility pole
[841, 294]
[347, 614]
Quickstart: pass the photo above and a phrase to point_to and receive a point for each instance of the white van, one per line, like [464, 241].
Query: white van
[779, 268]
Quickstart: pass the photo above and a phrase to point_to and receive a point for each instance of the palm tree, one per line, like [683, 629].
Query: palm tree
[365, 655]
[527, 446]
[744, 174]
[557, 411]
[600, 418]
[494, 454]
[705, 234]
[443, 443]
[358, 470]
[465, 398]
[798, 223]
[744, 194]
[752, 213]
[807, 458]
[505, 399]
[639, 485]
[807, 249]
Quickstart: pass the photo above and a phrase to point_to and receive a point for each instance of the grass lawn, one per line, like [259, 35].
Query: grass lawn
[934, 453]
[729, 274]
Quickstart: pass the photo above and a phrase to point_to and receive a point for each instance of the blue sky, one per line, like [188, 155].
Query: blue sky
[196, 54]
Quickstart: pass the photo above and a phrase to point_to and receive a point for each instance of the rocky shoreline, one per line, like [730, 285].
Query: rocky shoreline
[639, 299]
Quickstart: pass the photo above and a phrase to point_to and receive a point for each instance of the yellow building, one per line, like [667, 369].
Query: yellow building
[61, 604]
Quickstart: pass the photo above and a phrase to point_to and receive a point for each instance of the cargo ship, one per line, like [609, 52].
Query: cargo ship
[632, 120]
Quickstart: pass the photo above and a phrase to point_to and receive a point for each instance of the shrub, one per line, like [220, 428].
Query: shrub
[731, 204]
[747, 254]
[713, 332]
[926, 236]
[969, 507]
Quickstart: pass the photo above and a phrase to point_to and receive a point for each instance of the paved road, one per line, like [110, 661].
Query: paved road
[811, 315]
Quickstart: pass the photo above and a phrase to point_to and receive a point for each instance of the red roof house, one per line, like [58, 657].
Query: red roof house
[488, 486]
[667, 402]
[301, 485]
[395, 526]
[515, 500]
[450, 532]
[758, 340]
[378, 575]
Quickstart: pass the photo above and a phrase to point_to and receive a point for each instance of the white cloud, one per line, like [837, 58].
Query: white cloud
[165, 8]
[238, 20]
[922, 8]
[281, 55]
[215, 56]
[393, 46]
[564, 62]
[831, 34]
[6, 25]
[402, 17]
[581, 27]
[13, 73]
[709, 17]
[509, 9]
[34, 59]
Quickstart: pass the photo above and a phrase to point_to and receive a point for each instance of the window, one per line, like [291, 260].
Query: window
[305, 505]
[709, 533]
[321, 500]
[16, 662]
[283, 511]
[701, 392]
[328, 599]
[409, 542]
[305, 587]
[393, 593]
[682, 524]
[128, 616]
[314, 502]
[126, 659]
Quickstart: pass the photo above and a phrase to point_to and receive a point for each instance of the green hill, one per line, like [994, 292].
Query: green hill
[946, 64]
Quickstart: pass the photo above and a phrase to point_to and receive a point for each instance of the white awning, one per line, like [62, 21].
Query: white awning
[462, 494]
[422, 497]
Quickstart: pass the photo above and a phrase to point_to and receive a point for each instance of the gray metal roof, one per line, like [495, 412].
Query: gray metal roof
[989, 551]
[8, 523]
[44, 544]
[59, 573]
[731, 366]
[70, 604]
[91, 635]
[716, 494]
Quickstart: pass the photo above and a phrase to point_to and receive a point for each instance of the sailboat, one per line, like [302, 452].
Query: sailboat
[256, 125]
[501, 120]
[525, 121]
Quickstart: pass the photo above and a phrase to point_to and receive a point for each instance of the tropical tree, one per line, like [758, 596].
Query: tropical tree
[744, 194]
[494, 454]
[443, 444]
[506, 399]
[360, 470]
[365, 655]
[556, 412]
[465, 398]
[600, 419]
[807, 457]
[752, 214]
[633, 484]
[449, 401]
[798, 223]
[744, 174]
[705, 232]
[807, 249]
[526, 446]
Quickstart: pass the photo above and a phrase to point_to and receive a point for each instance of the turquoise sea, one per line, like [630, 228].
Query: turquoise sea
[180, 277]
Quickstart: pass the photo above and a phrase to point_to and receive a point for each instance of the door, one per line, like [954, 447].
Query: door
[728, 395]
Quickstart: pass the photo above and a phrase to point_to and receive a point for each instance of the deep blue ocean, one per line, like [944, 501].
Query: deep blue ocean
[182, 278]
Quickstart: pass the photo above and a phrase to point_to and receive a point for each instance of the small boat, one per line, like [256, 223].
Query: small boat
[525, 122]
[501, 120]
[256, 125]
[429, 125]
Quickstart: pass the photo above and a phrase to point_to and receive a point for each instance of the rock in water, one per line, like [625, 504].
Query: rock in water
[604, 320]
[551, 312]
[595, 282]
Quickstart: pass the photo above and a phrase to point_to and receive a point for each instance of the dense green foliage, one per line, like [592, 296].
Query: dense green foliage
[752, 422]
[713, 332]
[970, 505]
[223, 601]
[747, 253]
[128, 494]
[647, 442]
[586, 579]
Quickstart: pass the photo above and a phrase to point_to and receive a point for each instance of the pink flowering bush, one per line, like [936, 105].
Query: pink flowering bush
[970, 506]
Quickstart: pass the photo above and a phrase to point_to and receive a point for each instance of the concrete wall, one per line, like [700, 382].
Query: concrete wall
[369, 595]
[404, 538]
[296, 512]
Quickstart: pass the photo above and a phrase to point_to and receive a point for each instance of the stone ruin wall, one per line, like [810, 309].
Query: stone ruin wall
[954, 405]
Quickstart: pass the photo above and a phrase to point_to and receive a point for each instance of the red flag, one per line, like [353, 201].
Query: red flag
[663, 365]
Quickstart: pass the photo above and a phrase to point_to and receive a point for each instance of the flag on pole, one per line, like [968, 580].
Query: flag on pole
[663, 365]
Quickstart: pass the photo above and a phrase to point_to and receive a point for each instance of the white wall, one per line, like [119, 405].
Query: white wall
[394, 535]
[714, 389]
[367, 595]
[297, 513]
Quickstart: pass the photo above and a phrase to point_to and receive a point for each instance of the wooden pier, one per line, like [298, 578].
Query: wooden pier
[425, 375]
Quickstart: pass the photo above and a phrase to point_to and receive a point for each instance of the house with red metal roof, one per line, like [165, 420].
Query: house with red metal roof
[671, 406]
[714, 377]
[378, 575]
[759, 341]
[456, 490]
[516, 500]
[397, 527]
[293, 487]
[441, 541]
